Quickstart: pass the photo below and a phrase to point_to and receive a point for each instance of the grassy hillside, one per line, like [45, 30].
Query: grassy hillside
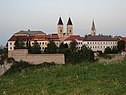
[81, 79]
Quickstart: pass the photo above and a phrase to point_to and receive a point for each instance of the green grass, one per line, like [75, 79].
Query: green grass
[80, 79]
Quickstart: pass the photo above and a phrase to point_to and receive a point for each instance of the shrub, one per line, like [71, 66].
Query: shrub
[10, 60]
[44, 64]
[18, 67]
[106, 56]
[23, 66]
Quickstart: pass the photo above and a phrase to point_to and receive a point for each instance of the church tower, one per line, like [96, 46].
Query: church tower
[93, 29]
[69, 27]
[60, 28]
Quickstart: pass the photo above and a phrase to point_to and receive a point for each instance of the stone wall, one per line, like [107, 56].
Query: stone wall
[22, 54]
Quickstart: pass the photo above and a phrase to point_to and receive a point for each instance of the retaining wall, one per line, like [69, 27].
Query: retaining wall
[22, 54]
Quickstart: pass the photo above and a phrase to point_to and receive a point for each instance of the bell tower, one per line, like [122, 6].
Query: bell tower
[60, 28]
[69, 27]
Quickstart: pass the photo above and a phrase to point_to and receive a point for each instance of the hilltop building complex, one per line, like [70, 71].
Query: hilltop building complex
[93, 41]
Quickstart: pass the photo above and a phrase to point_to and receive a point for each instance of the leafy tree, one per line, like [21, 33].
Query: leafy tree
[121, 46]
[108, 50]
[35, 49]
[90, 55]
[73, 46]
[4, 55]
[19, 44]
[62, 47]
[51, 48]
[114, 50]
[28, 46]
[86, 54]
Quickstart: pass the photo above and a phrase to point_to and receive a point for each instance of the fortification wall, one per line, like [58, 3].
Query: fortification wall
[22, 54]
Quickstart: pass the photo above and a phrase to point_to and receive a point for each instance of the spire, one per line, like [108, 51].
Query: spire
[60, 21]
[69, 22]
[93, 29]
[93, 26]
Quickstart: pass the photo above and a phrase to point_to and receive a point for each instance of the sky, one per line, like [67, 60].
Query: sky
[43, 15]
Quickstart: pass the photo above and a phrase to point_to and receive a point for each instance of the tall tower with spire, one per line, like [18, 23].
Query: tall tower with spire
[69, 27]
[60, 28]
[93, 29]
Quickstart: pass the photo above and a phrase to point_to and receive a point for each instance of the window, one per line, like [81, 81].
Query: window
[70, 31]
[43, 43]
[10, 47]
[60, 31]
[10, 43]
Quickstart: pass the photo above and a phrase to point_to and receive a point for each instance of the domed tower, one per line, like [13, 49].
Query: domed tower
[69, 27]
[60, 28]
[93, 29]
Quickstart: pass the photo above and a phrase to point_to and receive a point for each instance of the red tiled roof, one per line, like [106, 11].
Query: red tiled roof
[73, 37]
[52, 36]
[40, 37]
[123, 38]
[13, 38]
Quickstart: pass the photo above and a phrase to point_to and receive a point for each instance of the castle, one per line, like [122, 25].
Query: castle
[93, 41]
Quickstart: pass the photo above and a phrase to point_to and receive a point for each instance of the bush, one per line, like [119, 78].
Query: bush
[106, 56]
[23, 66]
[10, 60]
[18, 67]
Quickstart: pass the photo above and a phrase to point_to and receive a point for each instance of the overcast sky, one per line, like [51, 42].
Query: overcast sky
[16, 15]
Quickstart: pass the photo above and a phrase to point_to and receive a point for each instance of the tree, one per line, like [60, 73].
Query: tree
[16, 43]
[90, 55]
[28, 46]
[35, 49]
[62, 47]
[51, 48]
[114, 50]
[79, 56]
[86, 54]
[73, 46]
[108, 50]
[121, 46]
[4, 55]
[19, 43]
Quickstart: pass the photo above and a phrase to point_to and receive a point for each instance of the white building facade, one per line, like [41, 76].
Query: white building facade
[100, 42]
